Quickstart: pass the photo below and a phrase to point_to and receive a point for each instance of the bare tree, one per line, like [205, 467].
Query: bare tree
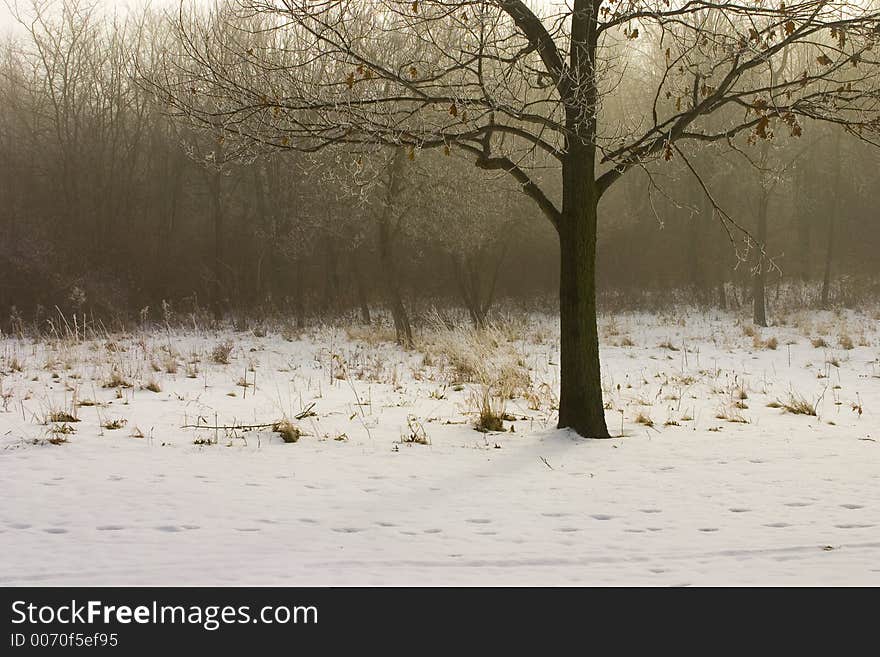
[833, 211]
[520, 89]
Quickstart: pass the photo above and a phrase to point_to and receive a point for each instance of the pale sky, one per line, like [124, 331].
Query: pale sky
[7, 22]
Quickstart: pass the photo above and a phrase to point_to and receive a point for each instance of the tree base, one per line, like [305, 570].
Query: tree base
[585, 430]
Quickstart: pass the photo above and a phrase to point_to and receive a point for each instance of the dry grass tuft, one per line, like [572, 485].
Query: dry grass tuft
[116, 380]
[489, 411]
[170, 364]
[731, 414]
[770, 343]
[289, 432]
[222, 352]
[373, 334]
[61, 416]
[484, 356]
[416, 434]
[798, 405]
[645, 419]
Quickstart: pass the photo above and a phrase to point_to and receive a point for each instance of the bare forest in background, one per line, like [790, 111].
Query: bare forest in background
[114, 208]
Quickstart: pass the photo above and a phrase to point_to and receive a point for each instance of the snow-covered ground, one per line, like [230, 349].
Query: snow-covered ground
[722, 489]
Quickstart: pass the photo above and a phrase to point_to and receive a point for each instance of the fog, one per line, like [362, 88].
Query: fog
[370, 292]
[122, 197]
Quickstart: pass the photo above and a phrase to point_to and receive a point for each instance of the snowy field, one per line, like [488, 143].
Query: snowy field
[145, 459]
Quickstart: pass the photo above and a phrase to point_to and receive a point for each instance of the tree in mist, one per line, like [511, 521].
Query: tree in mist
[468, 215]
[516, 89]
[833, 211]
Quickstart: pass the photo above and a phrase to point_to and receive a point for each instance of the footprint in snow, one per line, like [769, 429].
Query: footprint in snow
[55, 530]
[652, 511]
[247, 529]
[20, 525]
[852, 506]
[708, 529]
[568, 530]
[168, 528]
[739, 510]
[602, 516]
[433, 531]
[798, 504]
[309, 521]
[777, 524]
[347, 530]
[478, 521]
[109, 528]
[556, 514]
[853, 525]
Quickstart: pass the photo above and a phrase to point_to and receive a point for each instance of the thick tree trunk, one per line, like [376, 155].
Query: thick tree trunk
[215, 190]
[366, 319]
[832, 219]
[803, 219]
[695, 267]
[331, 301]
[469, 287]
[387, 262]
[166, 201]
[580, 396]
[402, 326]
[265, 241]
[832, 216]
[580, 399]
[217, 287]
[759, 284]
[829, 256]
[363, 299]
[298, 294]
